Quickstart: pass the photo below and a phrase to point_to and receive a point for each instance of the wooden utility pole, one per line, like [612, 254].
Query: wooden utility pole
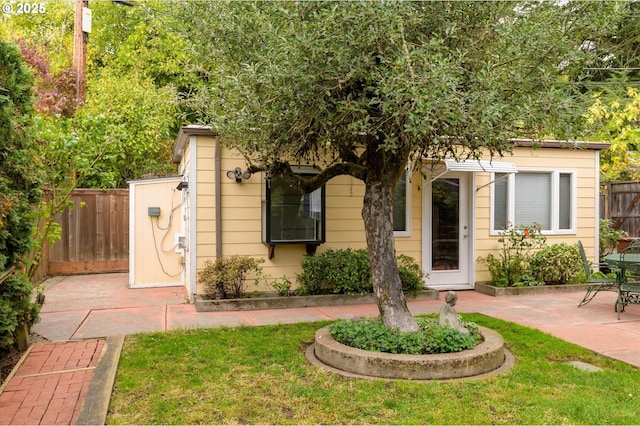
[81, 29]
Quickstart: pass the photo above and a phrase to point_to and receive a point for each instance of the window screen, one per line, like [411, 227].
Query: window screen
[533, 199]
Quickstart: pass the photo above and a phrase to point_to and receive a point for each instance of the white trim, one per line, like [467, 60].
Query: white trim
[191, 218]
[482, 166]
[154, 285]
[154, 180]
[472, 231]
[132, 238]
[469, 218]
[555, 198]
[408, 206]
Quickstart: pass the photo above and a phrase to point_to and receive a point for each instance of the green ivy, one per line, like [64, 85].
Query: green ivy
[372, 335]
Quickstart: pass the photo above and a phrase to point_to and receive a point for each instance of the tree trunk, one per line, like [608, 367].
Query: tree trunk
[377, 213]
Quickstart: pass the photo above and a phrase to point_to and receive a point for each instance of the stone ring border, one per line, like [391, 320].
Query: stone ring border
[487, 359]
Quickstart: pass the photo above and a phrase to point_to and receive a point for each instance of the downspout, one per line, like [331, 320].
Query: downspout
[218, 199]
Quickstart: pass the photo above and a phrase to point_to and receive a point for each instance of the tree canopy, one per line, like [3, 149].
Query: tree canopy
[126, 125]
[363, 88]
[20, 191]
[427, 77]
[617, 121]
[19, 172]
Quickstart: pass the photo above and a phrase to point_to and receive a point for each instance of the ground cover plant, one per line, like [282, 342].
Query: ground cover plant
[259, 375]
[370, 334]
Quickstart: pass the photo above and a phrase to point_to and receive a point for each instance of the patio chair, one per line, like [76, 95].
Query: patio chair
[596, 284]
[629, 291]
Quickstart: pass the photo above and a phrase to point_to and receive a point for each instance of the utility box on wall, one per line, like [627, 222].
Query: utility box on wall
[156, 223]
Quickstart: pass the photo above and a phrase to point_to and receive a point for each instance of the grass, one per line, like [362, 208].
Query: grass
[259, 375]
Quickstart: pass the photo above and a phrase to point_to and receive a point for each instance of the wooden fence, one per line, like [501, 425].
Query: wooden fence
[95, 235]
[620, 202]
[95, 238]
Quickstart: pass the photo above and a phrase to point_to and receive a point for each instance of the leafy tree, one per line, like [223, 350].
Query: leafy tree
[135, 67]
[371, 86]
[126, 127]
[142, 40]
[19, 179]
[20, 190]
[51, 31]
[618, 122]
[124, 130]
[55, 94]
[617, 52]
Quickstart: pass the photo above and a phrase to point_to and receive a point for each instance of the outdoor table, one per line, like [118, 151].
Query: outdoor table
[628, 274]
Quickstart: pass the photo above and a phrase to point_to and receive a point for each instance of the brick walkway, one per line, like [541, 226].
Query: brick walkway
[43, 390]
[61, 371]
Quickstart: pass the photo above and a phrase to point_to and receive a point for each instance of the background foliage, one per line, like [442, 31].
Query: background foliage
[20, 190]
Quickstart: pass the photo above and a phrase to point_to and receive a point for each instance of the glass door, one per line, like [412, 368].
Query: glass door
[446, 248]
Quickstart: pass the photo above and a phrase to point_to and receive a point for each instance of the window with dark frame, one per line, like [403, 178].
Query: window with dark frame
[400, 205]
[291, 217]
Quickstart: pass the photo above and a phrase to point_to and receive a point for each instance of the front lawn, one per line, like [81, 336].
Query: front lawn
[259, 375]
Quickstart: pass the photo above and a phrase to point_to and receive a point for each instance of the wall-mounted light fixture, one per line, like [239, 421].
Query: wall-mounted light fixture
[238, 174]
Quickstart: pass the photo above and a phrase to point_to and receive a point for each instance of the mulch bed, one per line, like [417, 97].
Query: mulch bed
[10, 357]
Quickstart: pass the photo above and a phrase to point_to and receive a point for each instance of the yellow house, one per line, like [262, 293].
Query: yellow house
[446, 216]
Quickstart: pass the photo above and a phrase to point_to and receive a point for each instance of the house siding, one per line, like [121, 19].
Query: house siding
[153, 259]
[582, 161]
[241, 210]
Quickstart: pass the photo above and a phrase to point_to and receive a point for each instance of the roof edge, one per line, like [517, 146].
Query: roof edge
[565, 144]
[183, 136]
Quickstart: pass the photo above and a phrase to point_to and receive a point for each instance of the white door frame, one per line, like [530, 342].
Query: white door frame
[465, 277]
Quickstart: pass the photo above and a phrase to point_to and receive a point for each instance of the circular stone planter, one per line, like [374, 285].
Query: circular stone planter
[486, 357]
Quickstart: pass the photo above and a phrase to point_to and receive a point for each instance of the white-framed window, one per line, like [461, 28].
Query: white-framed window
[402, 207]
[545, 197]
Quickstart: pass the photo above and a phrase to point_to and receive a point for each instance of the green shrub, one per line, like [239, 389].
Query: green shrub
[511, 266]
[557, 264]
[226, 277]
[21, 174]
[609, 237]
[372, 335]
[16, 307]
[282, 286]
[336, 271]
[446, 339]
[347, 271]
[411, 274]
